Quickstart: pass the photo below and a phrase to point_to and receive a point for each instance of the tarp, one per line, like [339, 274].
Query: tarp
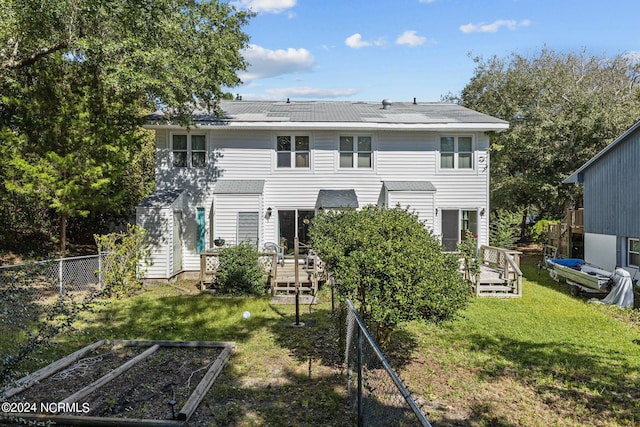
[568, 262]
[622, 291]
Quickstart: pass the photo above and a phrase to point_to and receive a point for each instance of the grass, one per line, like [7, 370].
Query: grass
[544, 359]
[280, 375]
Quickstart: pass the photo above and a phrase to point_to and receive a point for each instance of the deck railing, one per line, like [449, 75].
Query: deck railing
[505, 260]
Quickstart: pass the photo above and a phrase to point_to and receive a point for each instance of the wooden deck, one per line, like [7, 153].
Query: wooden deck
[500, 274]
[285, 280]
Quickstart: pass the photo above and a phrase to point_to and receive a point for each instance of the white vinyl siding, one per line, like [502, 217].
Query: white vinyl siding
[244, 154]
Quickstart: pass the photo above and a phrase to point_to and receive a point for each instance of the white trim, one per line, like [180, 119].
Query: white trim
[473, 170]
[291, 169]
[343, 126]
[356, 169]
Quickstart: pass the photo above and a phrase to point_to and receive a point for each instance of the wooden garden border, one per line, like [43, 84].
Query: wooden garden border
[77, 420]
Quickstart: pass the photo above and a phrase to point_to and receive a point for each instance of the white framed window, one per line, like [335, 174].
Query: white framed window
[189, 151]
[456, 152]
[356, 152]
[633, 252]
[293, 151]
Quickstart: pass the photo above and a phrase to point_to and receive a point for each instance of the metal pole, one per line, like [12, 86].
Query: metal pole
[60, 275]
[100, 270]
[296, 255]
[360, 406]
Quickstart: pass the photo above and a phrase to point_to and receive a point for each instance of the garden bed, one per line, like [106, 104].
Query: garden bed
[137, 382]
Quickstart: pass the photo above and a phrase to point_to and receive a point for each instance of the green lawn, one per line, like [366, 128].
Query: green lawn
[544, 359]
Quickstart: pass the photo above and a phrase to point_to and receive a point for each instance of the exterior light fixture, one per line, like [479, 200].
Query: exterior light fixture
[268, 214]
[482, 212]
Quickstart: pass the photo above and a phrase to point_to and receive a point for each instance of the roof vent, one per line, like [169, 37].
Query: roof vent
[386, 104]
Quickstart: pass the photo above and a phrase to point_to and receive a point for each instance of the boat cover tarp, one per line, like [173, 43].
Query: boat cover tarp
[622, 291]
[568, 262]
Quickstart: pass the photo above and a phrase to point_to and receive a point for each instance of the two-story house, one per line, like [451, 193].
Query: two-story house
[261, 171]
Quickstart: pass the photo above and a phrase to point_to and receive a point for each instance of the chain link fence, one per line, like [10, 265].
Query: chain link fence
[376, 393]
[42, 283]
[39, 301]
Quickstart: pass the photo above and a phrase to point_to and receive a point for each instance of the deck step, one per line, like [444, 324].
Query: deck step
[291, 299]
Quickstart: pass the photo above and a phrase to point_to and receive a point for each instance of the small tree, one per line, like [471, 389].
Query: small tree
[125, 262]
[468, 248]
[387, 262]
[504, 231]
[239, 271]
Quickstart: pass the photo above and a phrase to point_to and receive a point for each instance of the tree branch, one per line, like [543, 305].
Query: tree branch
[13, 63]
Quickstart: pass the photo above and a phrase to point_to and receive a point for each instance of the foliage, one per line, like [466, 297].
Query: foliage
[390, 265]
[562, 109]
[504, 230]
[77, 78]
[468, 248]
[126, 260]
[239, 272]
[540, 230]
[35, 317]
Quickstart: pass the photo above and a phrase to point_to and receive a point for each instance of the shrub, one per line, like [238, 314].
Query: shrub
[239, 272]
[126, 260]
[390, 265]
[540, 231]
[468, 248]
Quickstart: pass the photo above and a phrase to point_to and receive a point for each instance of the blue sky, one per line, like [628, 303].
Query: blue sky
[368, 50]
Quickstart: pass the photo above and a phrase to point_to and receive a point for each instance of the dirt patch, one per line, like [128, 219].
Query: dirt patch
[155, 388]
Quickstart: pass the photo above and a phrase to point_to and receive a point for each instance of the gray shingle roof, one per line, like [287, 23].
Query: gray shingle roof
[409, 186]
[239, 186]
[342, 112]
[337, 199]
[161, 198]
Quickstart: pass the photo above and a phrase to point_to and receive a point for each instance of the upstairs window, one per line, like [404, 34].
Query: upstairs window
[189, 151]
[293, 152]
[633, 259]
[356, 152]
[456, 152]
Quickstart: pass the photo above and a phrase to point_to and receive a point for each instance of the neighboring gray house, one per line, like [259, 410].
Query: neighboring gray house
[612, 203]
[261, 171]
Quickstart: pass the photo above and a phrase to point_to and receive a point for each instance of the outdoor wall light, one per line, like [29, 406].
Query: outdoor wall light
[482, 212]
[268, 214]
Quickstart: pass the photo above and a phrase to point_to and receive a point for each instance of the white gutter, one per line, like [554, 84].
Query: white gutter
[476, 127]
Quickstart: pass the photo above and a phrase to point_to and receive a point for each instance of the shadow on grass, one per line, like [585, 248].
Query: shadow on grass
[258, 386]
[566, 375]
[295, 399]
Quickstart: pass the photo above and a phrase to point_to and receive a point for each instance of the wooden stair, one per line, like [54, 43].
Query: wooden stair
[283, 282]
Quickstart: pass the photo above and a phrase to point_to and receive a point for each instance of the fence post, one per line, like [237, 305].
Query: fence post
[60, 275]
[360, 406]
[100, 270]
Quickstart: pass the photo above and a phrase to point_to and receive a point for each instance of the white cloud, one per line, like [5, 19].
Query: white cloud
[265, 63]
[268, 6]
[410, 38]
[355, 41]
[493, 27]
